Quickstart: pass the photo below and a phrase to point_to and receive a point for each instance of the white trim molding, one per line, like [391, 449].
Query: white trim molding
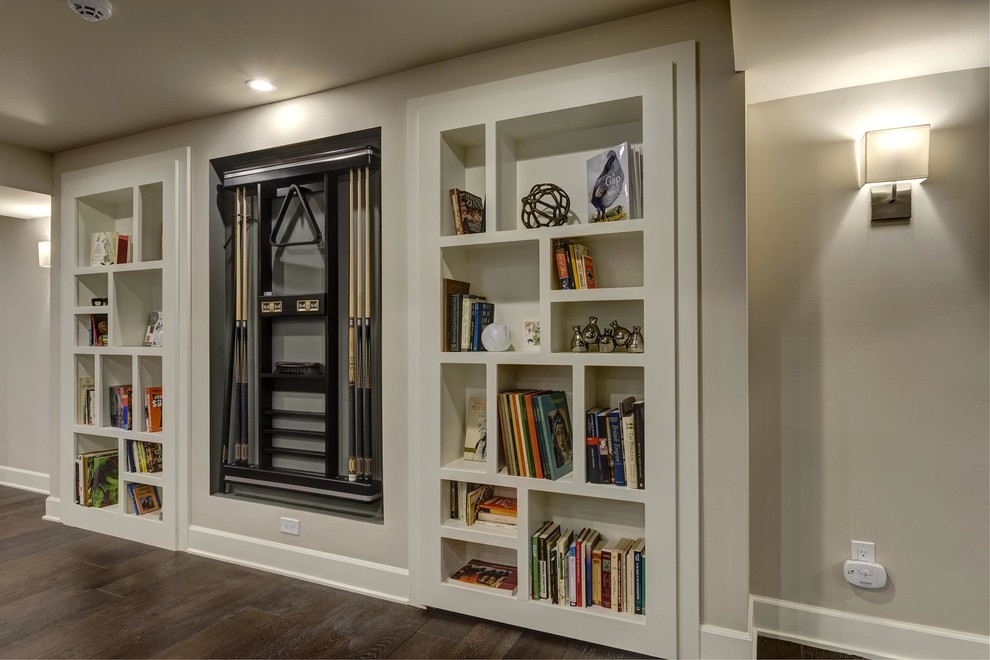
[860, 634]
[52, 509]
[36, 482]
[725, 643]
[340, 572]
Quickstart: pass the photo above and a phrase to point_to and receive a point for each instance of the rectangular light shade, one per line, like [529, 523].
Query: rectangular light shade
[896, 154]
[45, 254]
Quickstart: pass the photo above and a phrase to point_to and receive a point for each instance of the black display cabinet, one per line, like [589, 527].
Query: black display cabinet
[296, 351]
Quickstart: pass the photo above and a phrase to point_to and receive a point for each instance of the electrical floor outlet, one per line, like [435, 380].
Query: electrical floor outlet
[290, 526]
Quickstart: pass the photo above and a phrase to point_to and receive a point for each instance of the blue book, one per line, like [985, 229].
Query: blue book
[592, 446]
[554, 432]
[615, 446]
[483, 315]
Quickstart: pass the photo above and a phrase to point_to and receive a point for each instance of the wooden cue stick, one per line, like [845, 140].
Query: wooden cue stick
[359, 340]
[245, 426]
[367, 329]
[351, 373]
[234, 447]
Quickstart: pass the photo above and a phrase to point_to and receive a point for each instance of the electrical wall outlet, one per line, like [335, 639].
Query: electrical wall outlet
[290, 526]
[861, 551]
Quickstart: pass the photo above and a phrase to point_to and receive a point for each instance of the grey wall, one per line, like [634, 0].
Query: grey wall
[26, 411]
[869, 354]
[26, 169]
[381, 102]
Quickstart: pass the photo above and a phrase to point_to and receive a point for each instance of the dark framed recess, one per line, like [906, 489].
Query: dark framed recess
[295, 368]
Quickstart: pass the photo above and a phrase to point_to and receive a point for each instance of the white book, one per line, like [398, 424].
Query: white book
[608, 185]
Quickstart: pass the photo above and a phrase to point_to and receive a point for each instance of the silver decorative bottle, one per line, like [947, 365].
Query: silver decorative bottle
[635, 343]
[591, 331]
[606, 344]
[578, 344]
[619, 334]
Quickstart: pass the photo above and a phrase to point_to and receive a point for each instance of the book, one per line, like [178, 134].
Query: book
[555, 433]
[86, 393]
[548, 541]
[99, 334]
[469, 212]
[120, 406]
[103, 479]
[153, 409]
[608, 185]
[483, 315]
[153, 332]
[475, 496]
[558, 567]
[487, 576]
[639, 414]
[103, 245]
[604, 447]
[451, 305]
[592, 451]
[476, 430]
[565, 277]
[615, 447]
[534, 560]
[467, 302]
[121, 249]
[145, 498]
[628, 429]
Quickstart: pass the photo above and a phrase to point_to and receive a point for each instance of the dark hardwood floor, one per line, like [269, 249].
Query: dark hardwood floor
[68, 593]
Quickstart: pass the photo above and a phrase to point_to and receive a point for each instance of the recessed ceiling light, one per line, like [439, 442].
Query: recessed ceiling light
[259, 85]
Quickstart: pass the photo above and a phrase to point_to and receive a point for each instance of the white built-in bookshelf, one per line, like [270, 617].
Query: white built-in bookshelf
[145, 199]
[497, 141]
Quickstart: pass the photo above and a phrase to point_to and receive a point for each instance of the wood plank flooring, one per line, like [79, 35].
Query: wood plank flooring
[68, 593]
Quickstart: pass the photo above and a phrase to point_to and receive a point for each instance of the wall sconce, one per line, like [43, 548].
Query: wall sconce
[895, 157]
[45, 254]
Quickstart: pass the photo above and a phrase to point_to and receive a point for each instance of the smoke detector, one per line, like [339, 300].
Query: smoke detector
[92, 10]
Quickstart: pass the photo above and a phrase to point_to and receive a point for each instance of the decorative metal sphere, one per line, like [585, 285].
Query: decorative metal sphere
[546, 205]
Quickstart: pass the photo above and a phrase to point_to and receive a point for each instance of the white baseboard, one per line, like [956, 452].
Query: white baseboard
[860, 634]
[52, 511]
[36, 482]
[357, 575]
[725, 644]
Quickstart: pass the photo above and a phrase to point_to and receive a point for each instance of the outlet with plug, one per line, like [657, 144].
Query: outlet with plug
[289, 526]
[862, 570]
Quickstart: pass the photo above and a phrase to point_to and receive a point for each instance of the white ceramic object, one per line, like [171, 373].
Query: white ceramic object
[496, 337]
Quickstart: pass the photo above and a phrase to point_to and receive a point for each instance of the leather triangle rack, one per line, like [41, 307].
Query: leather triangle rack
[301, 194]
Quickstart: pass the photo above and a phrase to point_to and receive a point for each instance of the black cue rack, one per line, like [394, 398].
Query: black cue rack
[300, 322]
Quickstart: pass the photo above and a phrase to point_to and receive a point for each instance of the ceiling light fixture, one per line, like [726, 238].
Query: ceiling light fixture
[259, 85]
[92, 10]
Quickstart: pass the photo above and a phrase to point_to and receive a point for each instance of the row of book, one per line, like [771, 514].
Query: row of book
[480, 504]
[581, 568]
[615, 440]
[465, 315]
[144, 456]
[120, 407]
[575, 265]
[535, 431]
[97, 477]
[144, 498]
[108, 248]
[468, 212]
[99, 334]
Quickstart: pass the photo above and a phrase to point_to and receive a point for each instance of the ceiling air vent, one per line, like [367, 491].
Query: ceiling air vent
[92, 10]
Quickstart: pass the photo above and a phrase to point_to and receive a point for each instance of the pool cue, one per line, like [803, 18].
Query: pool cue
[366, 332]
[245, 255]
[234, 447]
[351, 372]
[360, 412]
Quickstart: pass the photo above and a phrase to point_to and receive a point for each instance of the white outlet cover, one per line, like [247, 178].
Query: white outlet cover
[289, 526]
[864, 551]
[864, 574]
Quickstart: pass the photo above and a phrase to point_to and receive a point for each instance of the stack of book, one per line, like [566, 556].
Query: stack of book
[575, 266]
[614, 444]
[481, 504]
[145, 499]
[465, 315]
[580, 568]
[120, 407]
[87, 401]
[108, 248]
[144, 456]
[97, 478]
[535, 431]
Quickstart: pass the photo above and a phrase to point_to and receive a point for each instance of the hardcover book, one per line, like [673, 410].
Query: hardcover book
[450, 320]
[153, 409]
[103, 248]
[487, 576]
[103, 471]
[555, 433]
[145, 499]
[469, 212]
[608, 185]
[476, 430]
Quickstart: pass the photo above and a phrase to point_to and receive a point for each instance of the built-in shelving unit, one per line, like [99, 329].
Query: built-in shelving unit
[145, 199]
[497, 142]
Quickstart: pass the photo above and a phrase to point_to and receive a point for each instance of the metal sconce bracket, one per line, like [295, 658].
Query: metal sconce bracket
[888, 202]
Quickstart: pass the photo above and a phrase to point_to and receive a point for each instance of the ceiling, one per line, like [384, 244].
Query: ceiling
[69, 83]
[158, 63]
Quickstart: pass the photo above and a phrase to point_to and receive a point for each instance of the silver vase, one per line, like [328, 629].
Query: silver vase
[591, 331]
[606, 344]
[619, 334]
[635, 343]
[578, 344]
